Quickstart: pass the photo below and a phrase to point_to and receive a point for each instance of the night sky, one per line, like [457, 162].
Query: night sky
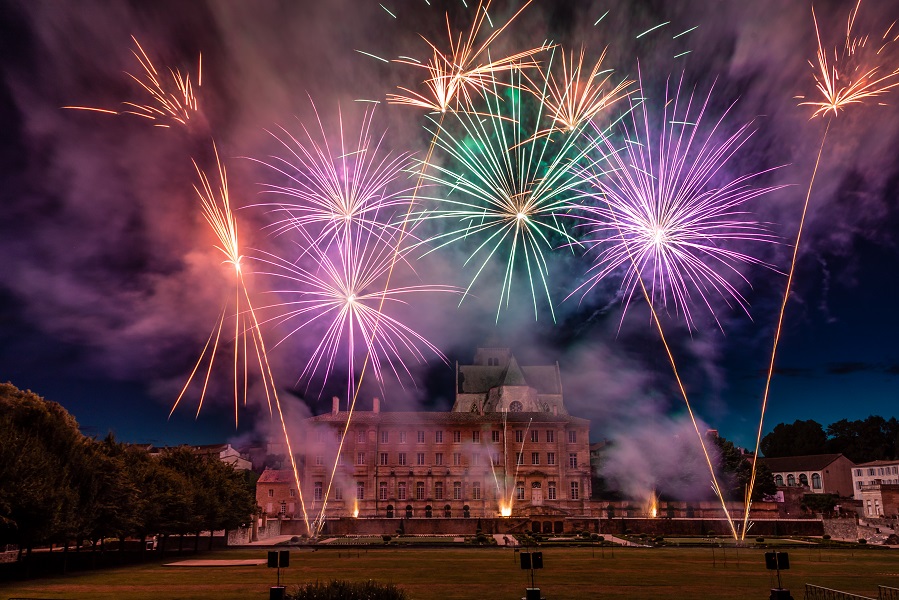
[111, 284]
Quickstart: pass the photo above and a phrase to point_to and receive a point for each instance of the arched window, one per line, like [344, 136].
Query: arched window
[779, 480]
[447, 511]
[390, 511]
[428, 511]
[466, 511]
[408, 511]
[803, 480]
[816, 481]
[791, 480]
[516, 406]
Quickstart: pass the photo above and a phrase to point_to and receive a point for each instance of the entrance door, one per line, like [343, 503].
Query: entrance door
[537, 496]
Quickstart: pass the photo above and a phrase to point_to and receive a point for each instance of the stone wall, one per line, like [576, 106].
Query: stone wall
[842, 529]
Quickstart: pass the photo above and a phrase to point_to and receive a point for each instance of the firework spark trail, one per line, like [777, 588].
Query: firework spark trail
[672, 208]
[512, 188]
[216, 204]
[333, 190]
[575, 99]
[172, 100]
[856, 76]
[666, 212]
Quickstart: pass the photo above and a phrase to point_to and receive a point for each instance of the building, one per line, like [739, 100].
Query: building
[876, 472]
[227, 454]
[507, 448]
[818, 473]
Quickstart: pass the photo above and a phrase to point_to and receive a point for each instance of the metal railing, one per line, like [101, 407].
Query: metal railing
[887, 593]
[813, 592]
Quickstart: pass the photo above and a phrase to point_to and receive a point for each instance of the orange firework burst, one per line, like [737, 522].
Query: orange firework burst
[217, 211]
[171, 100]
[857, 72]
[575, 99]
[453, 76]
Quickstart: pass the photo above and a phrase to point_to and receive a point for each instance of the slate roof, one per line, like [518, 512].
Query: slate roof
[480, 379]
[810, 462]
[878, 463]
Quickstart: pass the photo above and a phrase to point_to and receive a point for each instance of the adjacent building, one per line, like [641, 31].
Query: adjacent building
[507, 448]
[876, 485]
[818, 473]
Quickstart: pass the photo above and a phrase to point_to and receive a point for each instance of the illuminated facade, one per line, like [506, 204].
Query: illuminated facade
[508, 447]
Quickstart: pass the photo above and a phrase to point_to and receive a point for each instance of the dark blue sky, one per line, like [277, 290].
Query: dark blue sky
[111, 284]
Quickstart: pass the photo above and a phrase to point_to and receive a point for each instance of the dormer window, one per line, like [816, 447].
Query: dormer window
[516, 406]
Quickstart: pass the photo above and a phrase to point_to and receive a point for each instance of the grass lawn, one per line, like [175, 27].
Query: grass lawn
[487, 573]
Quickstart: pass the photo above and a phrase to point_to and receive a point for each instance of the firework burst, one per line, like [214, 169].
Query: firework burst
[333, 190]
[171, 100]
[505, 191]
[216, 204]
[856, 73]
[465, 70]
[667, 209]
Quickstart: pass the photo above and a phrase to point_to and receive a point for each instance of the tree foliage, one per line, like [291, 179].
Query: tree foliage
[60, 486]
[864, 440]
[735, 469]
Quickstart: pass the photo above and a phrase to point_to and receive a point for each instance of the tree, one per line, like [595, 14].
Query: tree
[799, 439]
[39, 449]
[874, 438]
[735, 469]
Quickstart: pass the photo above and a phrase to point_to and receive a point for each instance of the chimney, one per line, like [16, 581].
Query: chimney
[376, 405]
[335, 405]
[555, 410]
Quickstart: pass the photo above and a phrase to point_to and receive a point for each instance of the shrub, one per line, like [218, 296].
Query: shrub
[825, 537]
[760, 540]
[628, 531]
[295, 539]
[347, 590]
[862, 541]
[386, 538]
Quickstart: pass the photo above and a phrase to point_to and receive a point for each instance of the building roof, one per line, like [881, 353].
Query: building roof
[810, 462]
[447, 418]
[878, 463]
[276, 476]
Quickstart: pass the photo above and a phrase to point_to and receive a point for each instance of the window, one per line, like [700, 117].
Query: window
[382, 490]
[271, 493]
[438, 437]
[360, 436]
[457, 437]
[420, 436]
[495, 457]
[419, 458]
[858, 485]
[858, 472]
[476, 490]
[494, 436]
[401, 490]
[519, 458]
[877, 510]
[551, 491]
[516, 406]
[283, 509]
[476, 460]
[457, 490]
[872, 472]
[438, 459]
[447, 511]
[535, 436]
[438, 490]
[816, 481]
[360, 458]
[779, 480]
[383, 459]
[519, 435]
[895, 471]
[572, 460]
[803, 479]
[360, 490]
[519, 491]
[457, 459]
[476, 437]
[401, 459]
[575, 490]
[338, 493]
[293, 492]
[385, 437]
[420, 490]
[550, 458]
[319, 460]
[572, 437]
[550, 436]
[535, 458]
[402, 437]
[791, 480]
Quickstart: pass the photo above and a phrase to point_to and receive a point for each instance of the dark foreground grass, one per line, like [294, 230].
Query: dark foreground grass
[487, 573]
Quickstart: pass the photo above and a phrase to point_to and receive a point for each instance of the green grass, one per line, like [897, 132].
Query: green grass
[477, 573]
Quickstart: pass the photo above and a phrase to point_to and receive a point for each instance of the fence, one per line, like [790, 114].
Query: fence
[813, 592]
